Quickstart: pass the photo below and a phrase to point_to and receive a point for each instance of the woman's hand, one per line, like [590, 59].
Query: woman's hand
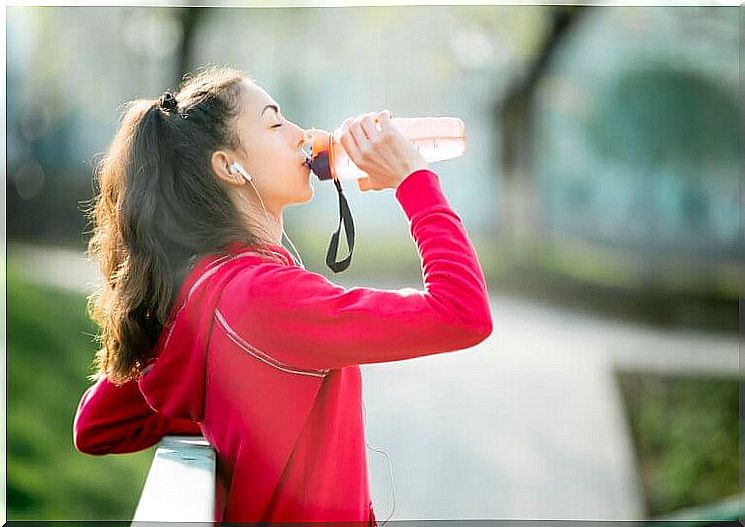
[383, 153]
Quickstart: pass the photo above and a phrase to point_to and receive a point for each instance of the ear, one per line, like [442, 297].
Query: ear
[220, 162]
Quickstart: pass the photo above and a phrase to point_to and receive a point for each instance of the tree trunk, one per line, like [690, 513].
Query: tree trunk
[515, 116]
[190, 19]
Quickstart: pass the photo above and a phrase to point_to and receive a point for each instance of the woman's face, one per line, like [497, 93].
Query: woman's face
[272, 151]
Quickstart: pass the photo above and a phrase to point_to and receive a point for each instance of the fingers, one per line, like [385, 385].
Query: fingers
[345, 125]
[360, 139]
[385, 120]
[369, 126]
[365, 137]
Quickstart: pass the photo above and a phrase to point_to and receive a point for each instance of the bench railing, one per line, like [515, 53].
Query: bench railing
[180, 485]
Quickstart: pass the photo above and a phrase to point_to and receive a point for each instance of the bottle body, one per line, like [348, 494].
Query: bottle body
[435, 138]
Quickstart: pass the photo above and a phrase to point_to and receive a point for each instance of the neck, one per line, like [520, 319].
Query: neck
[267, 226]
[265, 223]
[275, 228]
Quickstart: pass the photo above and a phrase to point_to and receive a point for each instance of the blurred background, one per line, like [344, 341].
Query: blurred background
[600, 185]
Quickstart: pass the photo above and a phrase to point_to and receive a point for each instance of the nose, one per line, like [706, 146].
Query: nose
[301, 137]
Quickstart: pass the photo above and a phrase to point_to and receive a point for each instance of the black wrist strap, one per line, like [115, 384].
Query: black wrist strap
[345, 216]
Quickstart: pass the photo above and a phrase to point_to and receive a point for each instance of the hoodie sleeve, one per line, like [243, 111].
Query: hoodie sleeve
[302, 319]
[114, 419]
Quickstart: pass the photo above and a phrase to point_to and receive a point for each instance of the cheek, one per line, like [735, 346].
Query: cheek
[275, 154]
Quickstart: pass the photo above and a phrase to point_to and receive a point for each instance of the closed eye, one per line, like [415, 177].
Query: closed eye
[276, 125]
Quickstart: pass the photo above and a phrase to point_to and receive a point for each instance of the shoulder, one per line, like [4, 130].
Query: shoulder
[223, 267]
[274, 282]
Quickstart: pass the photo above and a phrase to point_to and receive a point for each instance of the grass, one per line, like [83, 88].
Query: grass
[49, 351]
[685, 433]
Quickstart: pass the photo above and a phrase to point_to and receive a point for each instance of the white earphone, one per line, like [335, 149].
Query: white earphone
[237, 166]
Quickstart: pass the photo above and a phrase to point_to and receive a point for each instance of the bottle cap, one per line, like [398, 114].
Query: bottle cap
[321, 153]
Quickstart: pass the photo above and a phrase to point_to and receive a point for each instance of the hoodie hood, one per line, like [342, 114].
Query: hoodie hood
[173, 381]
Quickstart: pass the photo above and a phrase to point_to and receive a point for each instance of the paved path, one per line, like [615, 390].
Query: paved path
[528, 424]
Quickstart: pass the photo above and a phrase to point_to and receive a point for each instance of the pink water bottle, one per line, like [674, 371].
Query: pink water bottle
[435, 138]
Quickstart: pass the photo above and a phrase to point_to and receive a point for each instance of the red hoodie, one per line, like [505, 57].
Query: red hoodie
[262, 357]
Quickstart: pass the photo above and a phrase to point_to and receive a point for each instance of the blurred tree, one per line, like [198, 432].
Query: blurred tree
[667, 114]
[191, 18]
[514, 116]
[661, 115]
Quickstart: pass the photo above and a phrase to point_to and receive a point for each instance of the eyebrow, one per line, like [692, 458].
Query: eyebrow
[272, 106]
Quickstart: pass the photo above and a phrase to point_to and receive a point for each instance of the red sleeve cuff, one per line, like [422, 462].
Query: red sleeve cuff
[420, 190]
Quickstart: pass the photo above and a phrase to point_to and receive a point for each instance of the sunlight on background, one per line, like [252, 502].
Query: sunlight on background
[599, 185]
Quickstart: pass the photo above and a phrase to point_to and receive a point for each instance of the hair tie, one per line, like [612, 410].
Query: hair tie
[168, 102]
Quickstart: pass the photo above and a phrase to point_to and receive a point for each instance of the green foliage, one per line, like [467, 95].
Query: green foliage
[50, 347]
[685, 432]
[659, 113]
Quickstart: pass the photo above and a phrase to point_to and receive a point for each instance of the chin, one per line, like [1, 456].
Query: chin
[309, 193]
[303, 197]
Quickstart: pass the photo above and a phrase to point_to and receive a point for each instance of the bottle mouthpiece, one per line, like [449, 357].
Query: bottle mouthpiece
[319, 157]
[307, 147]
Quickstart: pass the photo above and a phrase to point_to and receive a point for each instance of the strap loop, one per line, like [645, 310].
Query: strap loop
[345, 216]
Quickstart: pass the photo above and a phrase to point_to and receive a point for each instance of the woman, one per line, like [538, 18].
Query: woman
[210, 327]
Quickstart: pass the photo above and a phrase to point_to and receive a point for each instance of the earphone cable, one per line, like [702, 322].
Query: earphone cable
[390, 465]
[296, 255]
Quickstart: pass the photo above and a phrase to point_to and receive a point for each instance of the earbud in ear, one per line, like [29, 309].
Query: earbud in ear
[237, 166]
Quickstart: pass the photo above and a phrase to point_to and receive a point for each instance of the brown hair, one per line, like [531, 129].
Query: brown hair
[158, 209]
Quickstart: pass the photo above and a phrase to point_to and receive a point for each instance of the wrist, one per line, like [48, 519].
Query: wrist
[414, 167]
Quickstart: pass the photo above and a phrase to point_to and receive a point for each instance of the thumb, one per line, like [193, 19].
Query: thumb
[364, 183]
[385, 120]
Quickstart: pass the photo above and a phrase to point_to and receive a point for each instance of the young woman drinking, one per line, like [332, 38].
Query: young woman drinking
[208, 324]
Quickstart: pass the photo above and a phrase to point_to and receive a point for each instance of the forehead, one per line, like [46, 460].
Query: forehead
[255, 99]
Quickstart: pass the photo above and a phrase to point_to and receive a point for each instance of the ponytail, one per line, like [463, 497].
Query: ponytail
[158, 209]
